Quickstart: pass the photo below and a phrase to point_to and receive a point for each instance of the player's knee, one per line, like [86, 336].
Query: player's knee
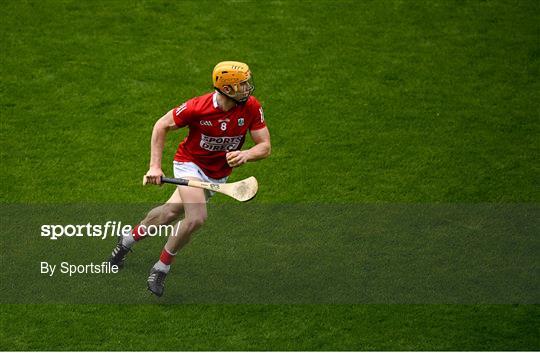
[172, 215]
[199, 220]
[196, 221]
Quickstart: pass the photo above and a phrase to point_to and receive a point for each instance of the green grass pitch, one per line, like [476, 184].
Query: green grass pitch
[367, 101]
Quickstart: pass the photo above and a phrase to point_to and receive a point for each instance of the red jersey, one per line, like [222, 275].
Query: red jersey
[214, 132]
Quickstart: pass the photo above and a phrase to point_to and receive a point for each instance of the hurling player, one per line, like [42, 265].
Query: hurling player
[218, 123]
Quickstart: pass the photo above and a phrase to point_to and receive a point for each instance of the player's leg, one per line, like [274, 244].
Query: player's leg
[167, 213]
[163, 214]
[195, 216]
[194, 203]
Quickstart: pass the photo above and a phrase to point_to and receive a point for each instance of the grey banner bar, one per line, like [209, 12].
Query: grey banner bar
[288, 253]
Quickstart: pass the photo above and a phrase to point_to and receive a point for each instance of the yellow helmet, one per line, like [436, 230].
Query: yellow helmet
[235, 75]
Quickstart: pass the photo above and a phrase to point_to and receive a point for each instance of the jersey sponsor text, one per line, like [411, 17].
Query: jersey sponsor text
[224, 143]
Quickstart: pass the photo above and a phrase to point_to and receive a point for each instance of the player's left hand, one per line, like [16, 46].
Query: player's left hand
[237, 158]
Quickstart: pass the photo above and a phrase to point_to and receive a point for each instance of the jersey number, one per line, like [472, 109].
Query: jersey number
[223, 126]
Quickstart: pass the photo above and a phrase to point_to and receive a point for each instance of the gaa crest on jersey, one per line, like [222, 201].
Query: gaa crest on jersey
[240, 121]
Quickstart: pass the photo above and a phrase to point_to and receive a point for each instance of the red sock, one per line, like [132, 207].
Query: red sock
[166, 257]
[138, 232]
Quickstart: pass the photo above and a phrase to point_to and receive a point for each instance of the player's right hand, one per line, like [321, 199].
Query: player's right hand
[153, 175]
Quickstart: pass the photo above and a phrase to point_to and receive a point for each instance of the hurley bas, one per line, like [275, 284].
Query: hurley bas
[69, 269]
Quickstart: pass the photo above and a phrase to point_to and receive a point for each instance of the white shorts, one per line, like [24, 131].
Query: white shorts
[191, 170]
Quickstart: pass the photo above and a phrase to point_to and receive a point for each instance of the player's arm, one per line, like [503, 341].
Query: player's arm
[261, 150]
[165, 124]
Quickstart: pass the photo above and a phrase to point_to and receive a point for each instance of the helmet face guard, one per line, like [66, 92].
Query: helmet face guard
[237, 77]
[242, 90]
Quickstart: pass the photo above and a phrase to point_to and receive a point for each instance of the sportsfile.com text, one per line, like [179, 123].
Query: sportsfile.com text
[101, 231]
